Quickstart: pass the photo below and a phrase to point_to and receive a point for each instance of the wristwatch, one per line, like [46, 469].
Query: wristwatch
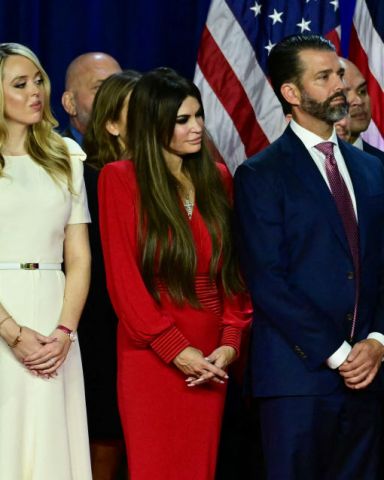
[71, 334]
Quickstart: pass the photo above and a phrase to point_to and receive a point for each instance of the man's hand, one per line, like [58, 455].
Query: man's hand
[362, 364]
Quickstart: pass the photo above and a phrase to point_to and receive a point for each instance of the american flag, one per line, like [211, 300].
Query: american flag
[243, 114]
[367, 52]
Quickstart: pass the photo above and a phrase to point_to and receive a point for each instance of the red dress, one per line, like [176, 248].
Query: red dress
[171, 430]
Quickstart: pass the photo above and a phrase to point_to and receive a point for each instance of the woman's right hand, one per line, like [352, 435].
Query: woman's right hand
[192, 362]
[31, 342]
[51, 356]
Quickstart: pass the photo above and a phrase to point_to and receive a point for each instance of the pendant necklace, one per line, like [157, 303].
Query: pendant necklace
[188, 204]
[187, 201]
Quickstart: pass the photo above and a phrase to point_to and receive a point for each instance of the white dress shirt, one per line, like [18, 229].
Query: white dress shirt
[310, 140]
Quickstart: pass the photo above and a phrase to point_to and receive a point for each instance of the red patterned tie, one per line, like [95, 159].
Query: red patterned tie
[345, 208]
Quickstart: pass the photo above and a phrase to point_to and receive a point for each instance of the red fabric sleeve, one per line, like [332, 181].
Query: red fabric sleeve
[237, 316]
[143, 319]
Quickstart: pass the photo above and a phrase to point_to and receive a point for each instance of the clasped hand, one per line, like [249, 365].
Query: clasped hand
[362, 364]
[41, 354]
[200, 369]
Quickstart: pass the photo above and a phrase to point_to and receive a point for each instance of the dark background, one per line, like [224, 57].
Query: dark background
[140, 34]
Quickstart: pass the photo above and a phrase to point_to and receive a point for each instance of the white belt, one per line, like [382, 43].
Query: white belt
[29, 266]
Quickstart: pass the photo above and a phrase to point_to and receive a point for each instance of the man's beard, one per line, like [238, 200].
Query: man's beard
[324, 110]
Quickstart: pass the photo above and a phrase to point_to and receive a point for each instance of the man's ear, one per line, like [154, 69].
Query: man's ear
[291, 93]
[112, 128]
[68, 102]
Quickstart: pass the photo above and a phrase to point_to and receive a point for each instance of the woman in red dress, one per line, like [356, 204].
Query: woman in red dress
[172, 275]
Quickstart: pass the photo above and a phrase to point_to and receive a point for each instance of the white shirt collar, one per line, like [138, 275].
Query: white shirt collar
[309, 138]
[358, 143]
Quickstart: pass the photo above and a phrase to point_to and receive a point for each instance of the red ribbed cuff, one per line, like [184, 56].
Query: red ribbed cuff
[231, 337]
[169, 344]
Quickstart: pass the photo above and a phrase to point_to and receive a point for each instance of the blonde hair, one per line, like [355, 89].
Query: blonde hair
[43, 144]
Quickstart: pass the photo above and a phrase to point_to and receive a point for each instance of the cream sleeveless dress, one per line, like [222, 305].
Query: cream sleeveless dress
[43, 426]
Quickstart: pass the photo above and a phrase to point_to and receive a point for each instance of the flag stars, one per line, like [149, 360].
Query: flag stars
[335, 4]
[269, 46]
[257, 9]
[304, 25]
[276, 16]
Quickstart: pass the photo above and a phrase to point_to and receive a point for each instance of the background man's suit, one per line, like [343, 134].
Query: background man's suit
[373, 151]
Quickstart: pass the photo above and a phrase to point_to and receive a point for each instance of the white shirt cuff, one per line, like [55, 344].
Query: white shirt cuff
[377, 336]
[341, 354]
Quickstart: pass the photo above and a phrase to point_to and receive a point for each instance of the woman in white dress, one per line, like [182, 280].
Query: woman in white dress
[43, 224]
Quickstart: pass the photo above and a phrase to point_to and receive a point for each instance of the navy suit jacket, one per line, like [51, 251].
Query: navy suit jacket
[298, 266]
[373, 150]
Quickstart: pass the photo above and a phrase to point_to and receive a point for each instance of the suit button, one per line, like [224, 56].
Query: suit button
[299, 351]
[349, 317]
[350, 275]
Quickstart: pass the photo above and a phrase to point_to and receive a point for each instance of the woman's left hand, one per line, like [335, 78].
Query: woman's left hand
[51, 356]
[221, 357]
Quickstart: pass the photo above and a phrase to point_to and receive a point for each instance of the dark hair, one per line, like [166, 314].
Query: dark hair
[101, 146]
[284, 63]
[162, 91]
[165, 239]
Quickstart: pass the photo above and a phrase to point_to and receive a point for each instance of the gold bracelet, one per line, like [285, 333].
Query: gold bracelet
[4, 320]
[17, 339]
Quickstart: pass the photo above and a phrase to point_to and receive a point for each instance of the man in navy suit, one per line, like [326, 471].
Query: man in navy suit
[310, 213]
[359, 116]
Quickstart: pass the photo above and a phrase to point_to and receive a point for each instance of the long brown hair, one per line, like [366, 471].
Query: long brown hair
[43, 144]
[101, 146]
[165, 238]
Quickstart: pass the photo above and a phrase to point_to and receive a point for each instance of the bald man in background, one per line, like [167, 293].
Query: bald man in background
[359, 115]
[83, 78]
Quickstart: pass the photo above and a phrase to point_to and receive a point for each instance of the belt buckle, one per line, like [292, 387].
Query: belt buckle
[29, 266]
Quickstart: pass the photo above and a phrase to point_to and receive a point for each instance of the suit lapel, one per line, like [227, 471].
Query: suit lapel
[305, 168]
